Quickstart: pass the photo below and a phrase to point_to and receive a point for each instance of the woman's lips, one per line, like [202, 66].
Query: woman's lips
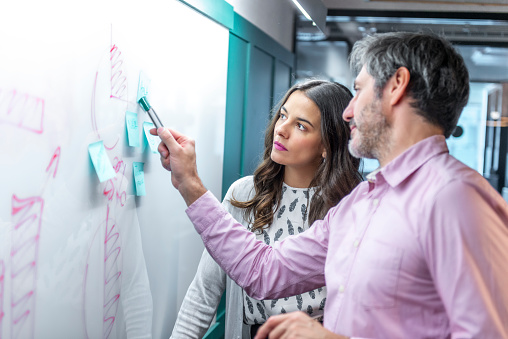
[278, 146]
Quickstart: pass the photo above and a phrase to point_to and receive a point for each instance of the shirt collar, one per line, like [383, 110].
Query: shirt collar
[397, 170]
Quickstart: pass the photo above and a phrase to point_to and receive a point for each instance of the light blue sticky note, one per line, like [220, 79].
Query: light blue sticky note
[143, 86]
[131, 121]
[139, 177]
[101, 161]
[153, 140]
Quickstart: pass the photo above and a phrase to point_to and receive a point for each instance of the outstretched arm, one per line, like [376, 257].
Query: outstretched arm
[290, 267]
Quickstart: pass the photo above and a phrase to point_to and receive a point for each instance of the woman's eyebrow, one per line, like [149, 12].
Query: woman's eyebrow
[298, 118]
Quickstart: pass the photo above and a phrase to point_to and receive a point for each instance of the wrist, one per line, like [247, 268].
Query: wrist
[191, 190]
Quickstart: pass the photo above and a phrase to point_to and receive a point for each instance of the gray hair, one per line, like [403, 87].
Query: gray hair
[439, 79]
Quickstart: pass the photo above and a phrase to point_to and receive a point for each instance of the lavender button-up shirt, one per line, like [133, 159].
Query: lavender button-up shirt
[419, 250]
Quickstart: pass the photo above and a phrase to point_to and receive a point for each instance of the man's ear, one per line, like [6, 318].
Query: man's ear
[397, 85]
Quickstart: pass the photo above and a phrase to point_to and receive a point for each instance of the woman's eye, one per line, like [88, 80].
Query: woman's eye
[282, 116]
[301, 127]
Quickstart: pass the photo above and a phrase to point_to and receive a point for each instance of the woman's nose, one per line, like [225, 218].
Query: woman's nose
[282, 129]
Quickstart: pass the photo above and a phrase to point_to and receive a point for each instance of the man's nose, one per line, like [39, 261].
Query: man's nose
[348, 113]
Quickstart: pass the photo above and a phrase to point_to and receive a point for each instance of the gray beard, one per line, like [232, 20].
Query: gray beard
[360, 153]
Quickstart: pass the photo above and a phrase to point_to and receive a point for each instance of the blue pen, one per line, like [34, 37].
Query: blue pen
[151, 113]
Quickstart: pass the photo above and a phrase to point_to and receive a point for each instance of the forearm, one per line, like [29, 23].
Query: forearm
[191, 190]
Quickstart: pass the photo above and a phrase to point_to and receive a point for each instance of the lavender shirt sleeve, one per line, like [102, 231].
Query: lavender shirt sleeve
[287, 268]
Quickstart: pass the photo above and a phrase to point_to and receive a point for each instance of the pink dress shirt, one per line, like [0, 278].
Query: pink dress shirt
[420, 250]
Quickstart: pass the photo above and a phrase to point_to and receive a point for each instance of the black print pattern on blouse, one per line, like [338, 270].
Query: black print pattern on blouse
[282, 310]
[278, 234]
[322, 304]
[320, 289]
[312, 294]
[304, 212]
[249, 305]
[294, 191]
[293, 205]
[266, 237]
[281, 211]
[309, 310]
[299, 301]
[300, 229]
[261, 310]
[306, 193]
[291, 229]
[274, 301]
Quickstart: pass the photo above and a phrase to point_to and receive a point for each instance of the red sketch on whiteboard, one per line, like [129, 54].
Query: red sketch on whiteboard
[118, 79]
[55, 160]
[22, 110]
[112, 278]
[27, 218]
[110, 97]
[116, 187]
[2, 282]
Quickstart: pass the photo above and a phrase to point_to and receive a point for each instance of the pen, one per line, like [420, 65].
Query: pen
[151, 113]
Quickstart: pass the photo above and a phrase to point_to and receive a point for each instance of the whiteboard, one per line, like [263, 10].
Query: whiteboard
[80, 258]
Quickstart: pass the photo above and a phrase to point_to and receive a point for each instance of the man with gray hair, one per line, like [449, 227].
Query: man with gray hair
[419, 250]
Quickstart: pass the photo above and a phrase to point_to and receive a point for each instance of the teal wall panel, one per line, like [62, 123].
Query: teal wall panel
[281, 81]
[235, 104]
[259, 102]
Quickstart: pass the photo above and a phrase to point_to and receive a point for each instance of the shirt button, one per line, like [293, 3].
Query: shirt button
[375, 202]
[356, 243]
[341, 288]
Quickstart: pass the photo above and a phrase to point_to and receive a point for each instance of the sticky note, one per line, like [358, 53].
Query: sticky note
[131, 122]
[139, 178]
[101, 161]
[143, 86]
[153, 140]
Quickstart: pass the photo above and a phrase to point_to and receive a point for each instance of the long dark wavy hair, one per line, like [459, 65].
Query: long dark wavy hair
[335, 177]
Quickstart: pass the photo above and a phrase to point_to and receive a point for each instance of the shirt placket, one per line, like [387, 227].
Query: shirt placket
[373, 196]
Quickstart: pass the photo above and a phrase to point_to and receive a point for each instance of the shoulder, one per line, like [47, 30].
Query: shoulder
[455, 195]
[446, 177]
[242, 189]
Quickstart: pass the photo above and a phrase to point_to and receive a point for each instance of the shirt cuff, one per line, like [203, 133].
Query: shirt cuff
[205, 211]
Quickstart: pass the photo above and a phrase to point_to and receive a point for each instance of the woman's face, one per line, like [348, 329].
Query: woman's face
[297, 135]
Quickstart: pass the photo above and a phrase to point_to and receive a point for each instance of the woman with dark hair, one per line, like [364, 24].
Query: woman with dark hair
[306, 170]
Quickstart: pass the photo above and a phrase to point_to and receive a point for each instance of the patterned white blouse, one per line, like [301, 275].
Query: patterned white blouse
[291, 218]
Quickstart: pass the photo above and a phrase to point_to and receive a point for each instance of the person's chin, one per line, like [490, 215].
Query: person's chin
[276, 158]
[353, 149]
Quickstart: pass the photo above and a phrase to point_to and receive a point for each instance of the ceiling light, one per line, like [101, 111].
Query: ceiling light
[313, 10]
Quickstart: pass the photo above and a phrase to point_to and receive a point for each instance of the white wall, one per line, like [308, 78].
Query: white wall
[274, 17]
